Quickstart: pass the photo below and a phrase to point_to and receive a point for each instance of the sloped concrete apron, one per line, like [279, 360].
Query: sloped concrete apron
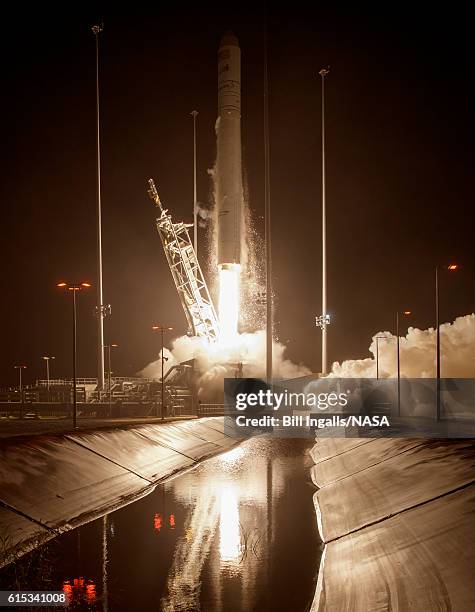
[50, 484]
[396, 517]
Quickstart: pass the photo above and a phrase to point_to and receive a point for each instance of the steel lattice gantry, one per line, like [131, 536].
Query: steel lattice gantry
[185, 268]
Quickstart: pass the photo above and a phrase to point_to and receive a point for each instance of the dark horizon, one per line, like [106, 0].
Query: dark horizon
[399, 171]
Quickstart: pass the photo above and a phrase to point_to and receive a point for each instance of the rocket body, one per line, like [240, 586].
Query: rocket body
[229, 190]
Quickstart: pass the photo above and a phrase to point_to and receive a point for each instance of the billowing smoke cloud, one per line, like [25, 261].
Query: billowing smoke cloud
[246, 358]
[417, 353]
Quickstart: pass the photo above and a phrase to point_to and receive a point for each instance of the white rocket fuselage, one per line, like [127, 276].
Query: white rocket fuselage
[229, 190]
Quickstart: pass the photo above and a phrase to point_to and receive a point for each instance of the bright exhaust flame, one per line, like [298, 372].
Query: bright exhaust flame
[229, 276]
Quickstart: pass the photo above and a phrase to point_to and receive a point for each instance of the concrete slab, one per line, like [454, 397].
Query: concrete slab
[362, 456]
[327, 448]
[134, 452]
[422, 559]
[182, 440]
[420, 473]
[216, 423]
[58, 483]
[203, 429]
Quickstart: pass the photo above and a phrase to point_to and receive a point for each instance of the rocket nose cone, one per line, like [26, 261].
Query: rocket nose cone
[229, 40]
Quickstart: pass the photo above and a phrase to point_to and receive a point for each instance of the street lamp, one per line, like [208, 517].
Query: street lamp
[74, 289]
[451, 268]
[268, 220]
[20, 368]
[405, 313]
[162, 330]
[47, 360]
[101, 309]
[324, 319]
[109, 373]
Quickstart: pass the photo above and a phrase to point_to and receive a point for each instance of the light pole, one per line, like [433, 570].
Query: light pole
[20, 368]
[101, 309]
[324, 319]
[194, 114]
[109, 373]
[47, 360]
[451, 268]
[74, 289]
[406, 313]
[267, 221]
[162, 330]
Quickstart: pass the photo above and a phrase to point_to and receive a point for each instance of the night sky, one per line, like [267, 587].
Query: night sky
[399, 169]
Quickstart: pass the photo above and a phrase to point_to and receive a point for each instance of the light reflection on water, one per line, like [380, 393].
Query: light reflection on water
[237, 533]
[231, 501]
[229, 534]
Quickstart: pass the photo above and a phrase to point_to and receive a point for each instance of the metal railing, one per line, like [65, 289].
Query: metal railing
[64, 382]
[210, 409]
[90, 381]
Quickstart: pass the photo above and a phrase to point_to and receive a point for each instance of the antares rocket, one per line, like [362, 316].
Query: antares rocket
[229, 190]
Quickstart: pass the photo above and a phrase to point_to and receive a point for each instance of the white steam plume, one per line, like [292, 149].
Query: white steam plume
[216, 362]
[418, 352]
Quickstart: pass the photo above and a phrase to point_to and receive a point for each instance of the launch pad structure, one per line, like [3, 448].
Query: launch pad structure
[186, 272]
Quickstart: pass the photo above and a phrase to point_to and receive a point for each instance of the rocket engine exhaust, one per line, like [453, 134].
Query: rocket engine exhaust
[229, 188]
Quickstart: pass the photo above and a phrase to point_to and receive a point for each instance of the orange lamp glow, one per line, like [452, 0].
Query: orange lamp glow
[91, 592]
[453, 267]
[157, 522]
[73, 287]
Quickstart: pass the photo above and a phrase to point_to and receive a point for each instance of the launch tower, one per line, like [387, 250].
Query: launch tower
[186, 272]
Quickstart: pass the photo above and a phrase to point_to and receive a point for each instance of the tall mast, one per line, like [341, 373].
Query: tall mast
[100, 308]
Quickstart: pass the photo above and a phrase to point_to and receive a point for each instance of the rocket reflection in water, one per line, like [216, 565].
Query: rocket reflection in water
[223, 510]
[228, 184]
